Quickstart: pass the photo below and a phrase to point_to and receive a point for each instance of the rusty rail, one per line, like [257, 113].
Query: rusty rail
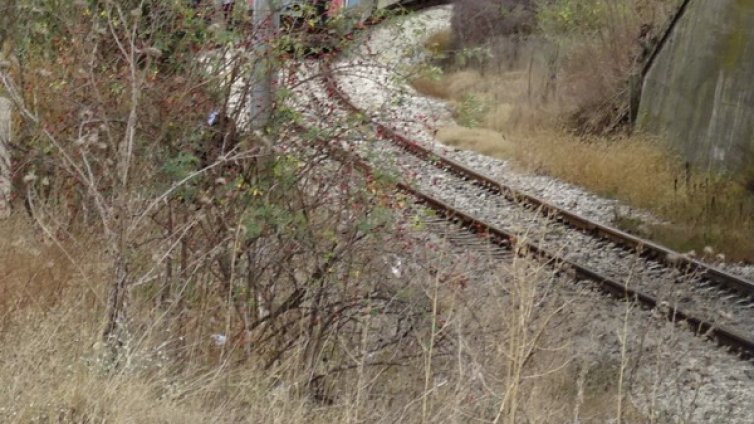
[645, 248]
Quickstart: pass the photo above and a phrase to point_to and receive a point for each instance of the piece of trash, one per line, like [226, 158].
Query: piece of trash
[218, 339]
[213, 118]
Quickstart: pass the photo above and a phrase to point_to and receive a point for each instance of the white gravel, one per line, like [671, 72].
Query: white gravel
[697, 382]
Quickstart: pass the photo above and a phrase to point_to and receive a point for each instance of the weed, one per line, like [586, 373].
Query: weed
[470, 111]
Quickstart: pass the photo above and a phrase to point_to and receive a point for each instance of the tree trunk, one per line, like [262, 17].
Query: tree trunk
[5, 171]
[265, 20]
[7, 27]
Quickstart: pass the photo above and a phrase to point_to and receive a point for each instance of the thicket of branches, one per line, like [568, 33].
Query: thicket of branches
[476, 21]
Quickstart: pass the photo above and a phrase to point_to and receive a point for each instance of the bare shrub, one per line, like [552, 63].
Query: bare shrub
[257, 241]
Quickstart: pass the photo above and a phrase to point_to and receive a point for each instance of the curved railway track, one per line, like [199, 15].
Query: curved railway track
[714, 303]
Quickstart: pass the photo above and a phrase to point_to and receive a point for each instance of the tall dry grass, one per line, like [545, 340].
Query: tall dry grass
[494, 349]
[56, 368]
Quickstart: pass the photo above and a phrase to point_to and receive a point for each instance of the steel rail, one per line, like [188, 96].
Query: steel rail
[645, 248]
[724, 336]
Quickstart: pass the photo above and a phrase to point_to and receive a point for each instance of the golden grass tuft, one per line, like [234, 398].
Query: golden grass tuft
[455, 84]
[431, 86]
[451, 86]
[482, 140]
[700, 209]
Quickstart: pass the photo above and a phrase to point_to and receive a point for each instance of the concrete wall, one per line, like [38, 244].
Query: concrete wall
[699, 93]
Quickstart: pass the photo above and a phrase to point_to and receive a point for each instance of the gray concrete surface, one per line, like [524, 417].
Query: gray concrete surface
[699, 93]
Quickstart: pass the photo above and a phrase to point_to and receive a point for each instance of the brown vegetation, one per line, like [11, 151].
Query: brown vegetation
[476, 21]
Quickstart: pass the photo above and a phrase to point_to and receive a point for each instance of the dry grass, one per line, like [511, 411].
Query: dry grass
[430, 86]
[455, 84]
[702, 209]
[507, 101]
[479, 342]
[35, 273]
[56, 370]
[482, 140]
[54, 367]
[633, 169]
[446, 86]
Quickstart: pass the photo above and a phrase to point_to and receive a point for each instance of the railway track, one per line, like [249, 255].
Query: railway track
[714, 303]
